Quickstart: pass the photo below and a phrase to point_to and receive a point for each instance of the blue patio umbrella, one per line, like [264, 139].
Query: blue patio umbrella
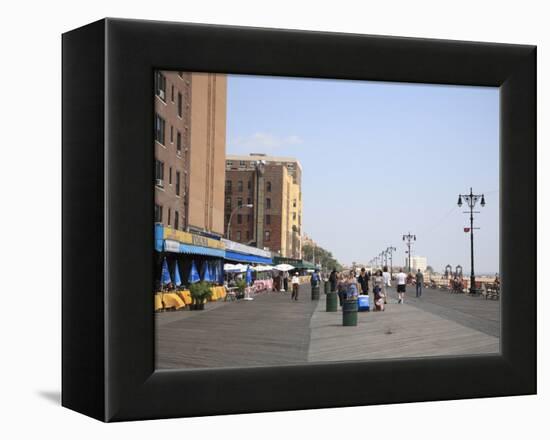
[215, 275]
[165, 275]
[206, 274]
[219, 271]
[177, 278]
[194, 276]
[248, 275]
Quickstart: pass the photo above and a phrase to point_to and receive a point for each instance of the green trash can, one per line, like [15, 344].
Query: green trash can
[349, 312]
[327, 287]
[332, 302]
[315, 293]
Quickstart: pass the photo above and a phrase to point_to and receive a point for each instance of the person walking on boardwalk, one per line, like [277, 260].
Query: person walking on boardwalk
[341, 289]
[378, 288]
[295, 286]
[401, 278]
[419, 283]
[333, 278]
[363, 280]
[315, 279]
[285, 281]
[352, 286]
[387, 283]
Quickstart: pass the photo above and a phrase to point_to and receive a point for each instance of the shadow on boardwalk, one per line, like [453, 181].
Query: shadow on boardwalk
[271, 330]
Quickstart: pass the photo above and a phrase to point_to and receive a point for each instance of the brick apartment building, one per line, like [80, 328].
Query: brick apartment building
[190, 126]
[273, 186]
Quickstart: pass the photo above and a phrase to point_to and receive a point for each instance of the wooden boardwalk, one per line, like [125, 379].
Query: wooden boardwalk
[273, 330]
[402, 331]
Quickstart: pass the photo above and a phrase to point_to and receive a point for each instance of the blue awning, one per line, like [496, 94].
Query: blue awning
[199, 250]
[246, 258]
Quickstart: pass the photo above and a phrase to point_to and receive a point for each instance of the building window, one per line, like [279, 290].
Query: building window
[240, 202]
[228, 202]
[178, 142]
[158, 213]
[248, 235]
[238, 235]
[249, 201]
[267, 236]
[268, 219]
[227, 220]
[229, 163]
[268, 186]
[242, 163]
[160, 125]
[239, 219]
[293, 216]
[160, 86]
[294, 203]
[176, 220]
[268, 203]
[249, 218]
[240, 186]
[172, 93]
[170, 175]
[159, 172]
[228, 185]
[180, 105]
[171, 134]
[249, 184]
[178, 183]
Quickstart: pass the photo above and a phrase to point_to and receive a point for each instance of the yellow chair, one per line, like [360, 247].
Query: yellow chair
[172, 300]
[158, 302]
[185, 296]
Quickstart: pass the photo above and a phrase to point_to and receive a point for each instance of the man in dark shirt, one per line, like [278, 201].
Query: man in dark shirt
[363, 280]
[333, 278]
[419, 282]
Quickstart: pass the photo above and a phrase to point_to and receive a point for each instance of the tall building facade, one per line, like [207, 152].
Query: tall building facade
[272, 185]
[417, 263]
[190, 125]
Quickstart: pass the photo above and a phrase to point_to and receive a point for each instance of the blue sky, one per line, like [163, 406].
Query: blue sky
[379, 160]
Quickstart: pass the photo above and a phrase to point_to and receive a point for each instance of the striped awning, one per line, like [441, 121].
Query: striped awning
[246, 258]
[200, 250]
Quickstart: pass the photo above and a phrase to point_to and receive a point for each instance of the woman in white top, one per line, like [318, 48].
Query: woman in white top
[387, 283]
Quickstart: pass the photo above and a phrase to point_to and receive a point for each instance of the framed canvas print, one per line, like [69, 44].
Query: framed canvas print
[261, 220]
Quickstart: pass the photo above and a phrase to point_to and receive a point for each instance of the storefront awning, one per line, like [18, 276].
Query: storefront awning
[244, 258]
[200, 250]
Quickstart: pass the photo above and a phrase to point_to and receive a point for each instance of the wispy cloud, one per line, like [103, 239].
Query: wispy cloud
[261, 142]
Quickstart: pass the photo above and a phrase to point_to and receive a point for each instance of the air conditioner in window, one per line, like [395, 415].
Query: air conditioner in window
[159, 182]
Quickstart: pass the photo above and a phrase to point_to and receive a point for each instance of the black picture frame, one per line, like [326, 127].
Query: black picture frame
[108, 341]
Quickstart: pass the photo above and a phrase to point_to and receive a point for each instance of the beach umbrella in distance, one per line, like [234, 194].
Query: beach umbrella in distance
[165, 275]
[177, 278]
[194, 276]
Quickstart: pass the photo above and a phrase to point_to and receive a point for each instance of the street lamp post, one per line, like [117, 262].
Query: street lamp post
[409, 239]
[471, 199]
[390, 252]
[383, 258]
[231, 217]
